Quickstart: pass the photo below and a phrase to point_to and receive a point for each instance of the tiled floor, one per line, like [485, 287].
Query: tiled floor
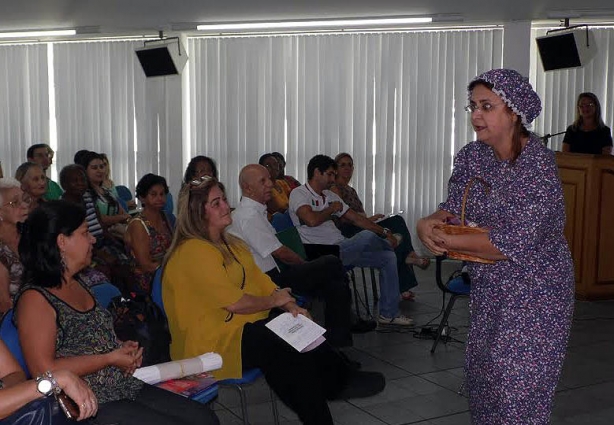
[422, 388]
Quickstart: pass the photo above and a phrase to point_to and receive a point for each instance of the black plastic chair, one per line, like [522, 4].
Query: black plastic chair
[457, 287]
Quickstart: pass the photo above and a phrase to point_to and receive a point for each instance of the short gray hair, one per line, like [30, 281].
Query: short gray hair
[7, 183]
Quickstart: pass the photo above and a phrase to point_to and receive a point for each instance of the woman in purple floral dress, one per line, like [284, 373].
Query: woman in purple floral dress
[521, 306]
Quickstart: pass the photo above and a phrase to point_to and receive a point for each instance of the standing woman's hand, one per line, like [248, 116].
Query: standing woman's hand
[427, 233]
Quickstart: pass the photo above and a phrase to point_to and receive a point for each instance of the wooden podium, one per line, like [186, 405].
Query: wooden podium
[588, 187]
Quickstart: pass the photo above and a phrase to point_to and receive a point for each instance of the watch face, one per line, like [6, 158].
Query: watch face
[44, 386]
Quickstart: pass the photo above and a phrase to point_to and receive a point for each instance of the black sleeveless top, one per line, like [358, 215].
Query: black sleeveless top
[90, 333]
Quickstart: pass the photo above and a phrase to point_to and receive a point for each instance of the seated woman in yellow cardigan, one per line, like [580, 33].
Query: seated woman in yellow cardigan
[217, 299]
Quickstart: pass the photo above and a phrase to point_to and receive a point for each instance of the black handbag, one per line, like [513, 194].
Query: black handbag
[140, 319]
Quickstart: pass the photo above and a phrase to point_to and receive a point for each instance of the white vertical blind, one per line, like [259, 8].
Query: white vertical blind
[24, 102]
[105, 103]
[394, 101]
[559, 89]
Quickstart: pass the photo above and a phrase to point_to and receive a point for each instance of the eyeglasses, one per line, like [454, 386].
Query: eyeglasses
[201, 180]
[26, 200]
[586, 105]
[486, 107]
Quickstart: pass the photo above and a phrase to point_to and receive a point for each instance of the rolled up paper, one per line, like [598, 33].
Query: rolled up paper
[178, 369]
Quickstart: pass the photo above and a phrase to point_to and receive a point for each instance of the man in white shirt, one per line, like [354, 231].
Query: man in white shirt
[323, 277]
[312, 207]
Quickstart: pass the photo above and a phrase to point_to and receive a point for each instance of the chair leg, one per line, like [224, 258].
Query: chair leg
[444, 322]
[274, 407]
[364, 290]
[353, 279]
[374, 285]
[243, 403]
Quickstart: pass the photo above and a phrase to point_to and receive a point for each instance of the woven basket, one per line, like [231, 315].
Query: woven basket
[461, 229]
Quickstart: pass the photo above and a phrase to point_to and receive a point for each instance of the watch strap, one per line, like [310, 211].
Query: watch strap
[48, 376]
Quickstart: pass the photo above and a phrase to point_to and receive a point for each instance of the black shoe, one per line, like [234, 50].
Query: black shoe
[363, 384]
[362, 326]
[352, 365]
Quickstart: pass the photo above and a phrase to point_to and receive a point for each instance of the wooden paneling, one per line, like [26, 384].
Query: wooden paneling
[605, 256]
[574, 182]
[588, 182]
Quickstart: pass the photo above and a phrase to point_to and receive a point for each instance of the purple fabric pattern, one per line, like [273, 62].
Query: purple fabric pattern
[521, 309]
[516, 91]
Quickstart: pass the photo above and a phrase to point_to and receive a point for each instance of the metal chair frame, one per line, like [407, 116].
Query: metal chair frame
[453, 297]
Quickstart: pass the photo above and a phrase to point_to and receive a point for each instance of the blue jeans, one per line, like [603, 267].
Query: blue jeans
[366, 249]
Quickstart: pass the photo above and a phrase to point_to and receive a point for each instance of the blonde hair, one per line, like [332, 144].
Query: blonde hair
[593, 98]
[192, 221]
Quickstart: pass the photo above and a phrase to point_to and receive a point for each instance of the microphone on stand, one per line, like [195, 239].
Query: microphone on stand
[547, 137]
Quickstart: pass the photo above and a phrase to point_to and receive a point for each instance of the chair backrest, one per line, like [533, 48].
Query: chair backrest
[291, 239]
[105, 292]
[156, 289]
[8, 334]
[124, 193]
[459, 285]
[281, 222]
[169, 206]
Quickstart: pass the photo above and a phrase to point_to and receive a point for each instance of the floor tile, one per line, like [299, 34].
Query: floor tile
[422, 388]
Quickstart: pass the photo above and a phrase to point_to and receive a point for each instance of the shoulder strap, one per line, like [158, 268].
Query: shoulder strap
[140, 220]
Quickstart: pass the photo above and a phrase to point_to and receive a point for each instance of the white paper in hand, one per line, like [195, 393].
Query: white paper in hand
[300, 332]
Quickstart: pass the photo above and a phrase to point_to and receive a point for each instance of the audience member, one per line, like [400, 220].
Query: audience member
[113, 217]
[108, 184]
[198, 167]
[149, 233]
[74, 183]
[278, 202]
[33, 182]
[79, 155]
[62, 326]
[42, 154]
[522, 305]
[225, 309]
[588, 133]
[28, 402]
[323, 277]
[312, 207]
[291, 181]
[13, 210]
[406, 255]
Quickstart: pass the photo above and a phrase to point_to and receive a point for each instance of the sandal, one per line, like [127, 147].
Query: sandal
[413, 260]
[408, 296]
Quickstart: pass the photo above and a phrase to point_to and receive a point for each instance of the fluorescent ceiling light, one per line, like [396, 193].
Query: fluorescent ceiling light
[333, 23]
[22, 34]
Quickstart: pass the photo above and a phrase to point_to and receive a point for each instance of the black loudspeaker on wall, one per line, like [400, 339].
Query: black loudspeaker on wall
[162, 57]
[566, 49]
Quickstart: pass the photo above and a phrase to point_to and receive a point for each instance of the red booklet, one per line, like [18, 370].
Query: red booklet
[190, 385]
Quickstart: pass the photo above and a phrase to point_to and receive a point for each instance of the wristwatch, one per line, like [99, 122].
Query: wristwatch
[47, 385]
[385, 233]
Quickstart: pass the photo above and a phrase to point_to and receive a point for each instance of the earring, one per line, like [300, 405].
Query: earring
[63, 260]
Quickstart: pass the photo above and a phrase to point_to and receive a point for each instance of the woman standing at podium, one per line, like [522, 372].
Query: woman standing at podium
[588, 133]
